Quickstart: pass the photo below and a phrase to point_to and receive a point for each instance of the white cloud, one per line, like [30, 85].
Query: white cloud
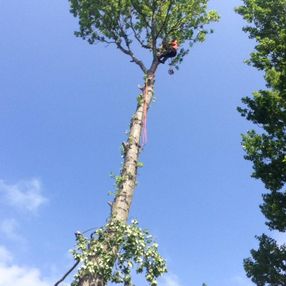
[170, 280]
[14, 275]
[25, 195]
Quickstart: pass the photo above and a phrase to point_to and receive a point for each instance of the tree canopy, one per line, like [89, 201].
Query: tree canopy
[148, 23]
[267, 150]
[266, 145]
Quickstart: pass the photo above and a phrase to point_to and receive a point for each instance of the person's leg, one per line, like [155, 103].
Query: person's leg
[170, 53]
[163, 59]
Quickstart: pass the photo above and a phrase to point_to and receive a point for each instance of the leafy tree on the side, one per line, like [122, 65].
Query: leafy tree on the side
[267, 265]
[266, 146]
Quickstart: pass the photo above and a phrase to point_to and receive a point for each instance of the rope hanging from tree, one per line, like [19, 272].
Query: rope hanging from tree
[144, 136]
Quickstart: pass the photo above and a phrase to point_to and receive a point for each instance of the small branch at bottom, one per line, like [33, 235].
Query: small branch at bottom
[67, 273]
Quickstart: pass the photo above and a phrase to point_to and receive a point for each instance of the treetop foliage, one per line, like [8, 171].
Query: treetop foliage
[149, 23]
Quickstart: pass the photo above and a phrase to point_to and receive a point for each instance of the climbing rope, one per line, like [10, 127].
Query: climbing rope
[144, 136]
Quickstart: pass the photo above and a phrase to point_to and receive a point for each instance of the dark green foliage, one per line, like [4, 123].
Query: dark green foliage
[266, 148]
[267, 26]
[267, 108]
[267, 265]
[274, 209]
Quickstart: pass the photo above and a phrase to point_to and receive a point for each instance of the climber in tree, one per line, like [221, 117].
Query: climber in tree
[169, 51]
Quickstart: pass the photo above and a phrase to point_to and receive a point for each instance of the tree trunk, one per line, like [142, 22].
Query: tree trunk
[125, 190]
[123, 199]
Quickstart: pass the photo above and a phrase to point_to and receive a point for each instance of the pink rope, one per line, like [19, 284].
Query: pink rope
[144, 135]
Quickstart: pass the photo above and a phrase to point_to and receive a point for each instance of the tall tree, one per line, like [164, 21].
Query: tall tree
[133, 26]
[266, 146]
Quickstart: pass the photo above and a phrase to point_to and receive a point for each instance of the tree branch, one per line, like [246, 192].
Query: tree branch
[137, 36]
[107, 42]
[117, 41]
[153, 32]
[176, 26]
[67, 273]
[166, 18]
[141, 14]
[128, 51]
[134, 59]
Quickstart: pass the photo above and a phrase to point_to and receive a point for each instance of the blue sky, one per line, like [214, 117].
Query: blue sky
[64, 109]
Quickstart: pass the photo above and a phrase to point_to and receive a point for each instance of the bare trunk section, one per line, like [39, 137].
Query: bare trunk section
[123, 199]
